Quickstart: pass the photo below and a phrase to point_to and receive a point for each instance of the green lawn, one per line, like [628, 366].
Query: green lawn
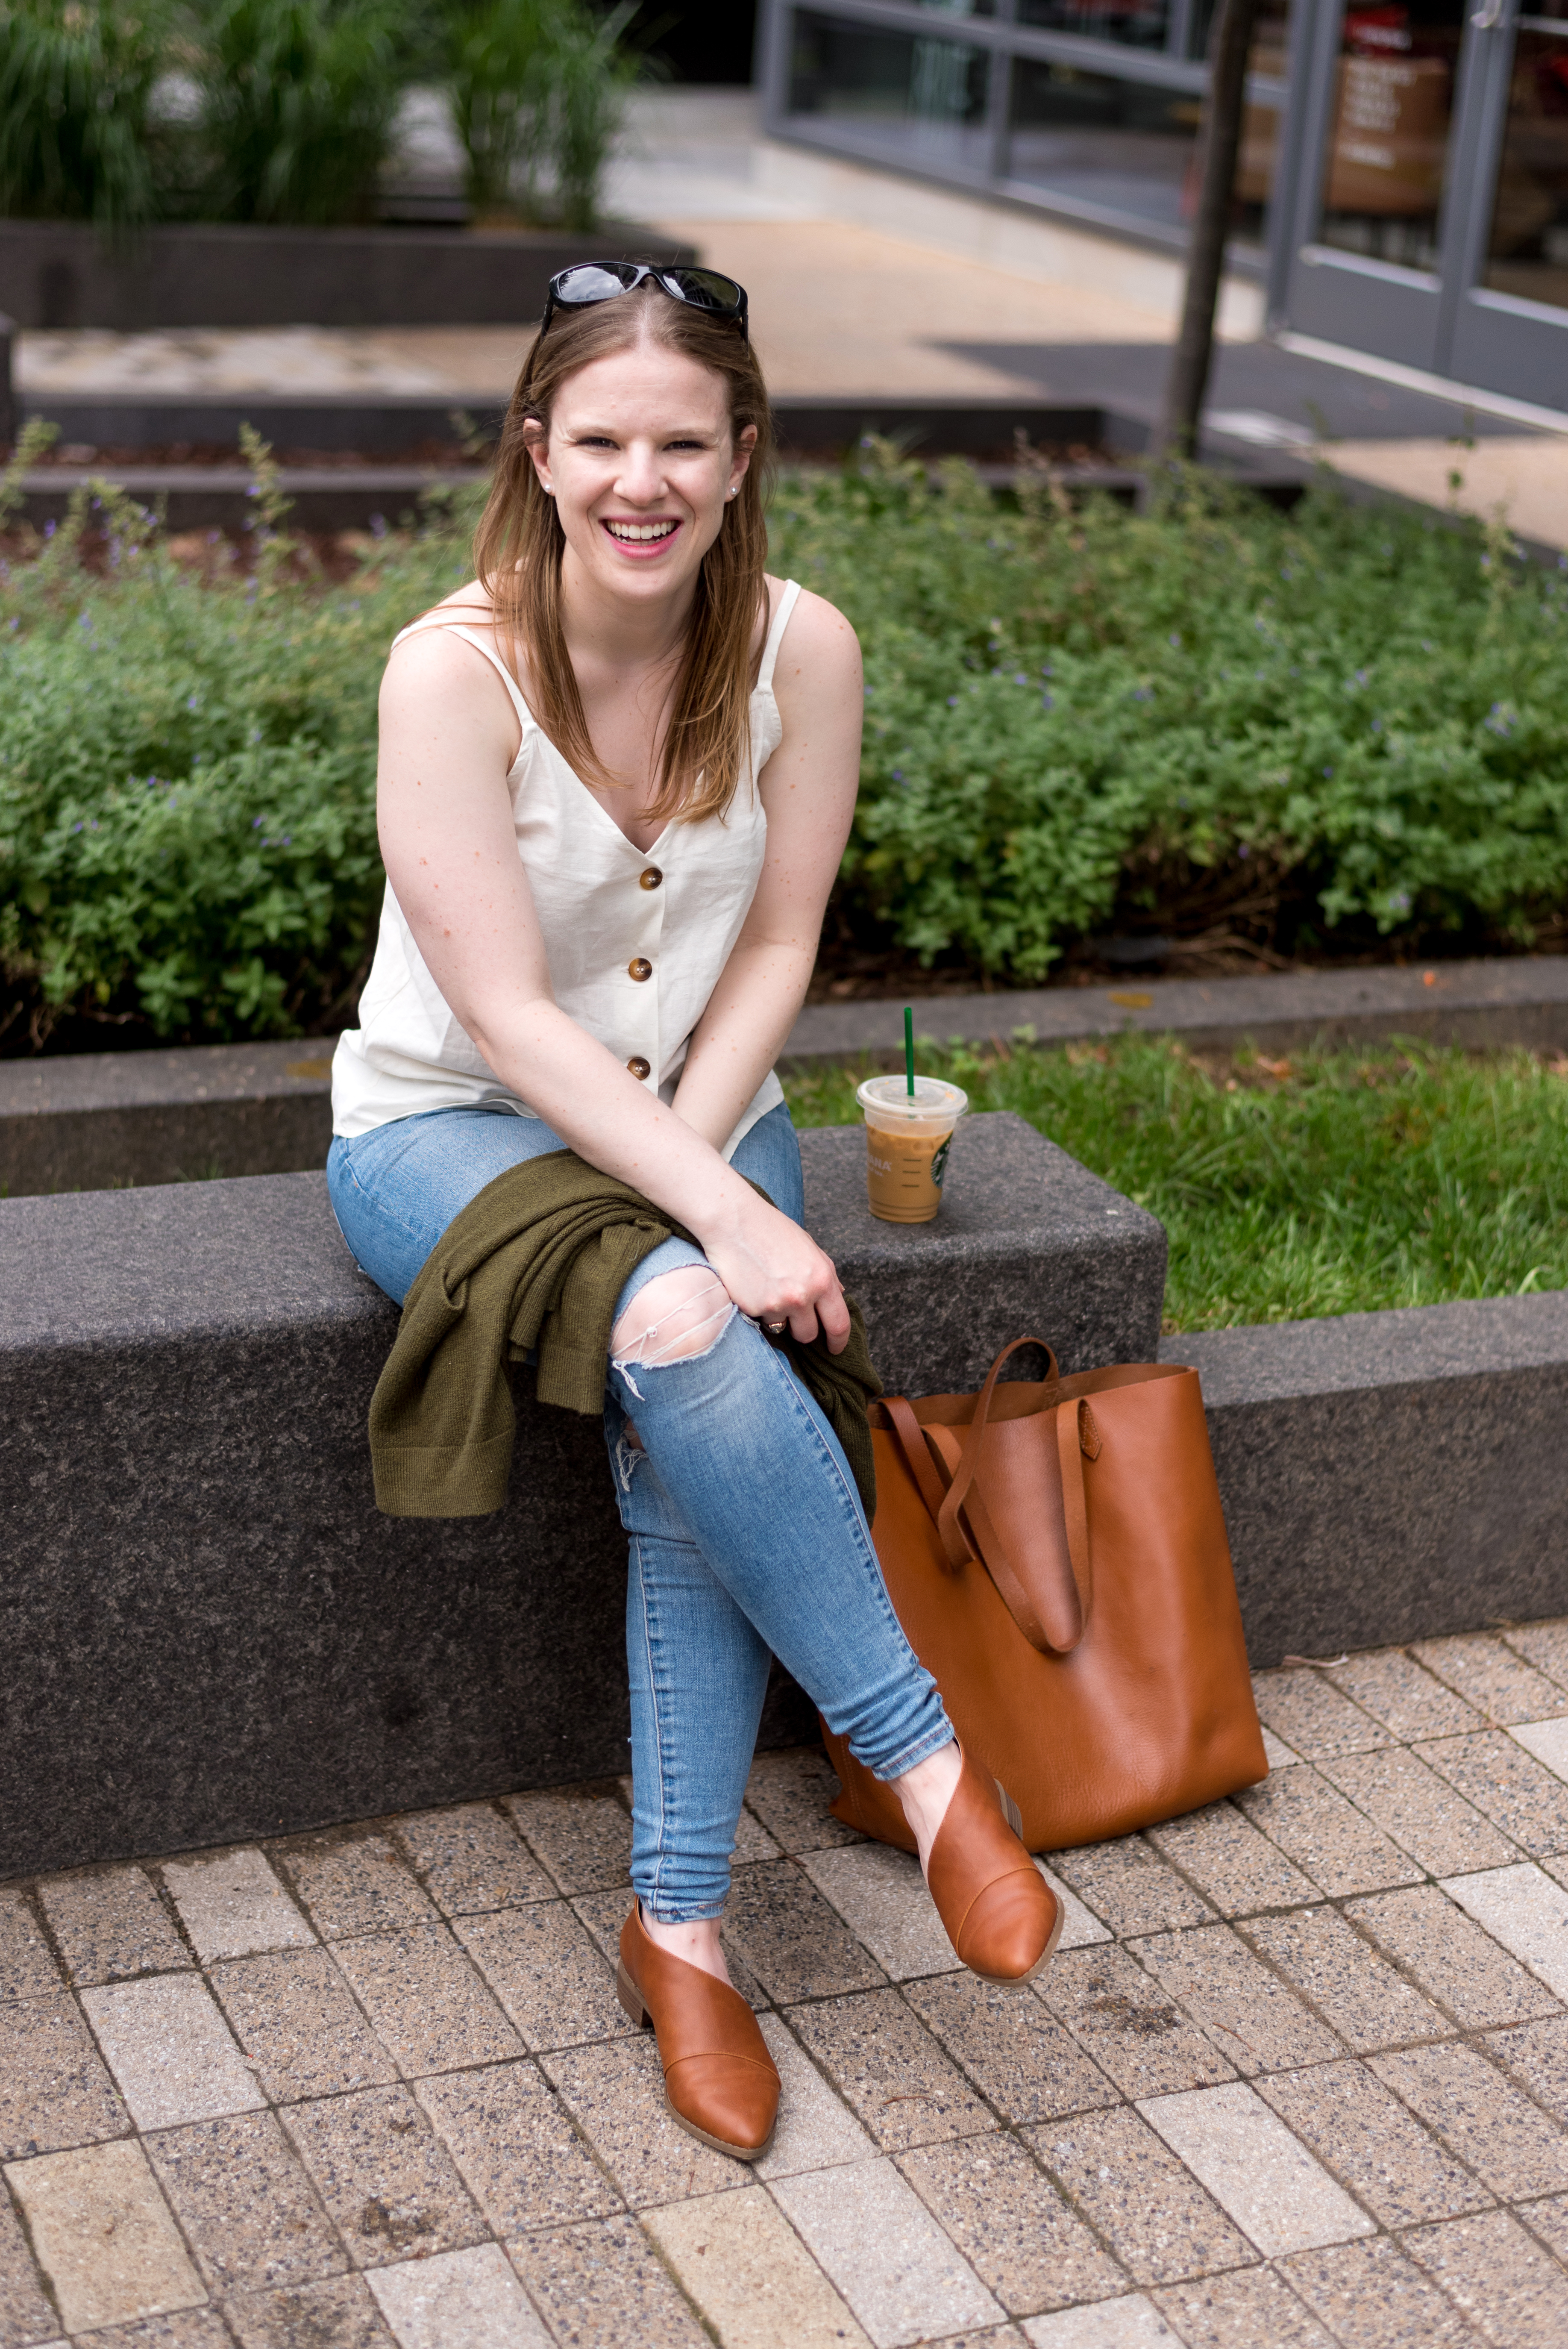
[1323, 1183]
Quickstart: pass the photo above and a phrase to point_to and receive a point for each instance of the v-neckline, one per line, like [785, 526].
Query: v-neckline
[597, 806]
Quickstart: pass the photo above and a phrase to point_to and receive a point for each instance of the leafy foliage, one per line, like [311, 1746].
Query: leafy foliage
[298, 99]
[76, 86]
[296, 102]
[1075, 715]
[537, 89]
[1068, 716]
[1324, 1184]
[187, 776]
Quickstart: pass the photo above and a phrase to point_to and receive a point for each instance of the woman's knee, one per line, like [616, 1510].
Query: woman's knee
[672, 1319]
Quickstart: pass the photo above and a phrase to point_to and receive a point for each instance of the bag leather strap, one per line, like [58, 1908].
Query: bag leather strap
[1077, 1438]
[911, 1442]
[947, 1524]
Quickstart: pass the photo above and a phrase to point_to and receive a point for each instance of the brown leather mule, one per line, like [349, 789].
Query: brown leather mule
[1000, 1915]
[720, 2083]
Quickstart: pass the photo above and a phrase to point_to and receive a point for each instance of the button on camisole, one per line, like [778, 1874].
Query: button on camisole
[635, 939]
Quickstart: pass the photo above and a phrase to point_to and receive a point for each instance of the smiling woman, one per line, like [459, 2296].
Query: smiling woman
[618, 773]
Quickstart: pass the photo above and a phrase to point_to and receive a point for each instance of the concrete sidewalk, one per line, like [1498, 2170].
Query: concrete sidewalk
[1297, 2077]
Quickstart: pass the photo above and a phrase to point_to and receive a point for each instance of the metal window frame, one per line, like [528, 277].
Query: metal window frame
[1005, 40]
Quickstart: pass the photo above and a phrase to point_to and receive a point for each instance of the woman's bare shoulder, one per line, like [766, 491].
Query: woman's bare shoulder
[429, 640]
[431, 661]
[817, 641]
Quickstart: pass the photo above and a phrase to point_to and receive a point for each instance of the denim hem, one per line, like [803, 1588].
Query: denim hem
[921, 1751]
[699, 1916]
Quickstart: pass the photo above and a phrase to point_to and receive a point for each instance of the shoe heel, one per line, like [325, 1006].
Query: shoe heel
[1010, 1811]
[626, 1990]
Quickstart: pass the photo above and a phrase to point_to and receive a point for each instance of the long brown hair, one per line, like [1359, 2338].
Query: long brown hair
[520, 542]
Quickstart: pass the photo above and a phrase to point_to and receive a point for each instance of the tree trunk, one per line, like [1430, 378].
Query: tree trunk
[1218, 145]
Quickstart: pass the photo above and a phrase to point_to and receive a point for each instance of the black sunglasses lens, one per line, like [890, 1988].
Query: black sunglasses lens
[594, 281]
[707, 289]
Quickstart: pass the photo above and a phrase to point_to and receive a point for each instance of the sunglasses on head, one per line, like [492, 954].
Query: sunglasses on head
[580, 287]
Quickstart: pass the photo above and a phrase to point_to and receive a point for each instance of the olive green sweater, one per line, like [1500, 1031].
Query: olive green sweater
[537, 1260]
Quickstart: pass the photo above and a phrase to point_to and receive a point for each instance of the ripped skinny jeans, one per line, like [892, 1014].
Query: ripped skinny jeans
[746, 1533]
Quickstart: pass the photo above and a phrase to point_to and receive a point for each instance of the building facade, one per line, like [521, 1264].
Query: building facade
[1403, 186]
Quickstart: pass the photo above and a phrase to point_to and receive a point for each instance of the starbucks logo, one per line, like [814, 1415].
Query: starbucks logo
[939, 1160]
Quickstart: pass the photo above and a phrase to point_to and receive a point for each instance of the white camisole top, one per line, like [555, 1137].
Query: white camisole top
[635, 940]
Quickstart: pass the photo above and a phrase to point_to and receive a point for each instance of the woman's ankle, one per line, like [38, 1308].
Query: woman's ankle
[695, 1942]
[925, 1792]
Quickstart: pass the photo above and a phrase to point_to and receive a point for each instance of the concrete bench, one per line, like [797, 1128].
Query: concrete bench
[210, 1633]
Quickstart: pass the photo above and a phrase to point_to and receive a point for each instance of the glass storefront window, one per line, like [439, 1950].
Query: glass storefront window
[1389, 137]
[1528, 252]
[1127, 151]
[1107, 147]
[1269, 60]
[1123, 150]
[1139, 23]
[897, 96]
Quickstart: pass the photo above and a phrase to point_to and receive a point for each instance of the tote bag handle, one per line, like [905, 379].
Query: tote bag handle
[1077, 1437]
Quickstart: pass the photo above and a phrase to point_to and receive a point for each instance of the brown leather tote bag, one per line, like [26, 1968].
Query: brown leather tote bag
[1055, 1552]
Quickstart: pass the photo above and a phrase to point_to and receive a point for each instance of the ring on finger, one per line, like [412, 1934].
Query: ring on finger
[776, 1329]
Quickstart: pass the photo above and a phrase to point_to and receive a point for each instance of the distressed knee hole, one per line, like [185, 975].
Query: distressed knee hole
[676, 1316]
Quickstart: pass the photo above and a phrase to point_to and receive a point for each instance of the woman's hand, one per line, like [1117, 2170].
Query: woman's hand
[776, 1272]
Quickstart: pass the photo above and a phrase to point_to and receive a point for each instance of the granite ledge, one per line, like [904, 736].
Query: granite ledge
[262, 1253]
[1410, 1346]
[164, 1078]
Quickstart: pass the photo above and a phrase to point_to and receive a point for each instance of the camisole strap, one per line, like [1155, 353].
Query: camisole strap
[786, 603]
[480, 644]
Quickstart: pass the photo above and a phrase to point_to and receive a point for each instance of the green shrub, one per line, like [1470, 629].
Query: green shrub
[186, 781]
[1072, 715]
[537, 89]
[592, 76]
[1067, 719]
[76, 85]
[298, 99]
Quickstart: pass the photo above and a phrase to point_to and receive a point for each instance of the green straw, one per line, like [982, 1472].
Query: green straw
[909, 1047]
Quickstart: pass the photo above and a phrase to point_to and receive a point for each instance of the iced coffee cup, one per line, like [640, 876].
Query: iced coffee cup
[908, 1137]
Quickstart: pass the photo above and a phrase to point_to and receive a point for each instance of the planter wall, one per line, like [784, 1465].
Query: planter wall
[59, 274]
[84, 1121]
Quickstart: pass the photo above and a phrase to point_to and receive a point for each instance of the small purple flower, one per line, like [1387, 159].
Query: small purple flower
[256, 822]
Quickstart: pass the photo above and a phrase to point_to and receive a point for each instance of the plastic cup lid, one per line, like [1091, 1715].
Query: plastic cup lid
[933, 1097]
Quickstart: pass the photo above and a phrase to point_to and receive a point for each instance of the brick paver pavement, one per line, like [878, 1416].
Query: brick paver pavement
[1297, 2077]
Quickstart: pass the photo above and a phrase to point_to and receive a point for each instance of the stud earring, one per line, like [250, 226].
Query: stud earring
[735, 490]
